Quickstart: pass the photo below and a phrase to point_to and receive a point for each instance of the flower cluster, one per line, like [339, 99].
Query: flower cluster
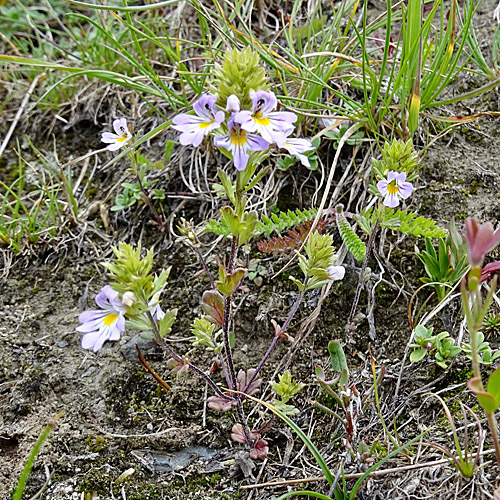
[246, 130]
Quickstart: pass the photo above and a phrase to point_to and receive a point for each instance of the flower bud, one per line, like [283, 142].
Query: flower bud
[129, 299]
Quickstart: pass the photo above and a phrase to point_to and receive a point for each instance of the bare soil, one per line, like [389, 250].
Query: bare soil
[117, 419]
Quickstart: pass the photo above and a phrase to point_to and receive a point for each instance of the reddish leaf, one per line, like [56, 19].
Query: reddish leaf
[489, 269]
[220, 404]
[243, 379]
[259, 450]
[212, 303]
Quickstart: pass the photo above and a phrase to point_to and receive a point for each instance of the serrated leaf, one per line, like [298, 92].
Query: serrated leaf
[165, 324]
[140, 322]
[227, 285]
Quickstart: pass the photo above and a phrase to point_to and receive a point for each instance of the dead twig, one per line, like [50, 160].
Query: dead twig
[20, 111]
[357, 475]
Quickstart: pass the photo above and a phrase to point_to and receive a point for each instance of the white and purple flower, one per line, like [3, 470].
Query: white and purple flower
[156, 311]
[104, 324]
[272, 125]
[118, 140]
[195, 127]
[394, 188]
[240, 143]
[296, 147]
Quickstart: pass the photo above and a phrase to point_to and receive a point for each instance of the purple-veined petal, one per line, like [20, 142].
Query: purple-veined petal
[90, 326]
[405, 189]
[222, 141]
[382, 187]
[391, 200]
[256, 143]
[295, 145]
[186, 119]
[205, 106]
[282, 119]
[270, 135]
[263, 101]
[103, 298]
[115, 331]
[245, 119]
[240, 157]
[391, 175]
[87, 316]
[192, 138]
[400, 177]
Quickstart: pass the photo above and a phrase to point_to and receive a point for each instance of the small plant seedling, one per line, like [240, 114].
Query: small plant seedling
[441, 346]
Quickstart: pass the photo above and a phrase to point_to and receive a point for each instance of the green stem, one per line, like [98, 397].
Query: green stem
[492, 423]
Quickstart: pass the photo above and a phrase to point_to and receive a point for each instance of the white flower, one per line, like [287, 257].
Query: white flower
[129, 299]
[296, 147]
[496, 13]
[335, 273]
[155, 310]
[118, 140]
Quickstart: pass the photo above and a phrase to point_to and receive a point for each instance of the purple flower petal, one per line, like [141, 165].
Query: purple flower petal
[104, 297]
[282, 119]
[185, 119]
[204, 107]
[405, 190]
[222, 141]
[400, 178]
[115, 146]
[391, 200]
[93, 341]
[392, 175]
[240, 157]
[382, 187]
[256, 143]
[233, 104]
[303, 159]
[245, 119]
[263, 101]
[194, 138]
